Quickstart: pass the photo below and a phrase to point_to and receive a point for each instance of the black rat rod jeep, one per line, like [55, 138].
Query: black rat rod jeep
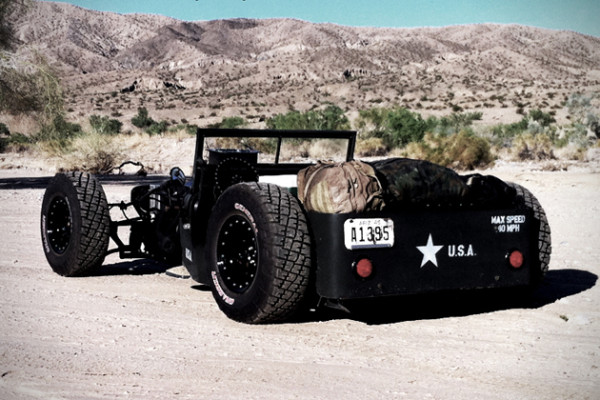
[265, 255]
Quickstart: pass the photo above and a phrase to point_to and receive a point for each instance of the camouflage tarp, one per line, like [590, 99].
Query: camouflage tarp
[415, 183]
[329, 187]
[410, 183]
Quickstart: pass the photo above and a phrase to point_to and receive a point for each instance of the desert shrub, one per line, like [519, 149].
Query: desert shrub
[56, 136]
[16, 142]
[189, 129]
[396, 127]
[330, 118]
[105, 125]
[543, 118]
[3, 140]
[95, 153]
[323, 149]
[528, 146]
[574, 136]
[30, 85]
[230, 123]
[579, 105]
[463, 150]
[370, 147]
[453, 123]
[142, 120]
[157, 128]
[291, 120]
[263, 145]
[404, 127]
[503, 134]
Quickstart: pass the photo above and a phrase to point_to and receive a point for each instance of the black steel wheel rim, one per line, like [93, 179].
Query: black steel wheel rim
[59, 226]
[237, 254]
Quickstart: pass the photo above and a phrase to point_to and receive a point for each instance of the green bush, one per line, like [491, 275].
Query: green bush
[370, 147]
[105, 125]
[142, 120]
[95, 153]
[57, 135]
[544, 119]
[331, 118]
[528, 146]
[452, 124]
[463, 150]
[28, 85]
[190, 129]
[396, 127]
[3, 141]
[505, 133]
[157, 128]
[16, 142]
[230, 123]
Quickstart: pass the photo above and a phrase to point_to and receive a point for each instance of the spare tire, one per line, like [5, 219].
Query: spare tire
[524, 198]
[75, 223]
[258, 253]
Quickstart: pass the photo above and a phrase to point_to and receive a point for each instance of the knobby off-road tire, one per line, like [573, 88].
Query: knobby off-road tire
[75, 224]
[526, 199]
[259, 254]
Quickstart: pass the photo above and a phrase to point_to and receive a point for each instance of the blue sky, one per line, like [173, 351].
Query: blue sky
[577, 15]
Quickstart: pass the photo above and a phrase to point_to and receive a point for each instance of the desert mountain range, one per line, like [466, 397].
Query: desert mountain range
[111, 64]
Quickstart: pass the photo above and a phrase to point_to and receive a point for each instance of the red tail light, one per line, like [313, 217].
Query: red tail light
[515, 259]
[364, 268]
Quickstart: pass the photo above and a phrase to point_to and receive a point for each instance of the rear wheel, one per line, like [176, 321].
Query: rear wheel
[526, 199]
[75, 223]
[258, 253]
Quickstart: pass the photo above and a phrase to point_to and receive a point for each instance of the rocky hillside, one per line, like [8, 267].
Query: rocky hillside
[200, 71]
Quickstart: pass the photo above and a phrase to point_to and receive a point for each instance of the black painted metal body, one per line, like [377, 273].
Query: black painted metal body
[434, 249]
[468, 250]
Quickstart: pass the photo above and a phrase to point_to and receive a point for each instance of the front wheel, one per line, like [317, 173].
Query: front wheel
[75, 223]
[258, 253]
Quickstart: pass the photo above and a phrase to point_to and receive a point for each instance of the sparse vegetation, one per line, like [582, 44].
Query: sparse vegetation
[94, 152]
[396, 127]
[231, 123]
[104, 125]
[143, 121]
[330, 118]
[386, 98]
[530, 146]
[56, 137]
[463, 150]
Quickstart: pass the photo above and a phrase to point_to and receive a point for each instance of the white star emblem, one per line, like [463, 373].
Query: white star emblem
[429, 251]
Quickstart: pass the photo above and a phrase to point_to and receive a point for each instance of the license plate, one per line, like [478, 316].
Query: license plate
[368, 233]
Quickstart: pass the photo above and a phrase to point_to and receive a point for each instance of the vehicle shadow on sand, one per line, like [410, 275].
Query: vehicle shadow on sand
[557, 285]
[132, 267]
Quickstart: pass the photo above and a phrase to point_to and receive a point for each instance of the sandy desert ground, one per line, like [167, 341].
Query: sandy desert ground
[134, 332]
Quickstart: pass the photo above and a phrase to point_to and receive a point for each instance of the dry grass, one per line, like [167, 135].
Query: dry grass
[532, 147]
[95, 153]
[370, 147]
[461, 151]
